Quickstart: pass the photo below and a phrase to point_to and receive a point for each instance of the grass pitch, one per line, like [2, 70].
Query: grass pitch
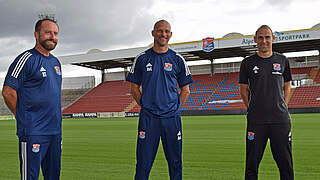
[213, 149]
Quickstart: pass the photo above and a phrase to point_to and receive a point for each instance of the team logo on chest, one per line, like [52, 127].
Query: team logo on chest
[255, 69]
[276, 67]
[43, 71]
[35, 148]
[168, 66]
[149, 67]
[58, 71]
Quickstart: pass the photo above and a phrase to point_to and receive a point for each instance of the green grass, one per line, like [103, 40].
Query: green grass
[6, 117]
[213, 149]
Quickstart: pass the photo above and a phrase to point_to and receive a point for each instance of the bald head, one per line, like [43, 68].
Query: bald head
[162, 34]
[161, 22]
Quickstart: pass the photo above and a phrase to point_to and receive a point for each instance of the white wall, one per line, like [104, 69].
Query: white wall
[78, 82]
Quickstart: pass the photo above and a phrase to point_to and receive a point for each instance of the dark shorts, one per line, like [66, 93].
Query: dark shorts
[151, 129]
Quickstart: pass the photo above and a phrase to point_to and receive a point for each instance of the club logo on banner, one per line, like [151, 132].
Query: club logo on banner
[208, 44]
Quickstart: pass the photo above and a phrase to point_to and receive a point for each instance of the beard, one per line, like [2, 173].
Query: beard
[48, 46]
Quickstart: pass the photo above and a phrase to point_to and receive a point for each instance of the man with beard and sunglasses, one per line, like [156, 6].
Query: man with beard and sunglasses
[32, 92]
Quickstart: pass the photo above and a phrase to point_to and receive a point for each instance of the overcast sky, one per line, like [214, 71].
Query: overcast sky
[118, 24]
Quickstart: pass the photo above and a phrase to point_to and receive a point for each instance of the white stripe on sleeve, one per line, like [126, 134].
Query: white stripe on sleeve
[134, 62]
[185, 64]
[17, 69]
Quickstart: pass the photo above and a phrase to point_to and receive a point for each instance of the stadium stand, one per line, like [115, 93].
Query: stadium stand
[220, 91]
[313, 73]
[302, 70]
[135, 108]
[317, 77]
[111, 96]
[217, 92]
[69, 96]
[308, 96]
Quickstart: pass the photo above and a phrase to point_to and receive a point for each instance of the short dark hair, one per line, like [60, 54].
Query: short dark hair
[262, 27]
[39, 23]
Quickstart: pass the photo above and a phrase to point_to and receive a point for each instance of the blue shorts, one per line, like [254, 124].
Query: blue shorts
[40, 151]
